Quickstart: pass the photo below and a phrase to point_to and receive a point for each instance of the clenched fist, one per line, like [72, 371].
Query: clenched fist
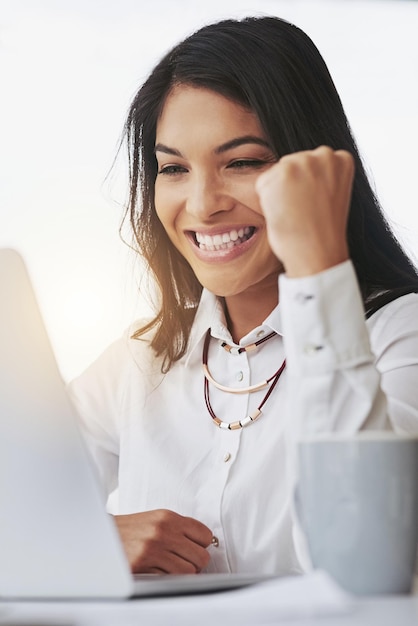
[305, 198]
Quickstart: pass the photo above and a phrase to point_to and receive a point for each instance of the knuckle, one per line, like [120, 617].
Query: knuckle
[162, 514]
[157, 534]
[290, 164]
[346, 160]
[162, 519]
[325, 150]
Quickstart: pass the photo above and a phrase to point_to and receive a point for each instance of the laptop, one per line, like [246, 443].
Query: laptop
[56, 539]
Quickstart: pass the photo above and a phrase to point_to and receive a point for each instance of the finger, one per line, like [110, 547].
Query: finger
[172, 563]
[152, 570]
[193, 553]
[174, 560]
[197, 532]
[167, 566]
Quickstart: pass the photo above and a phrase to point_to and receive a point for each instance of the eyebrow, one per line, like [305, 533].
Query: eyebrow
[229, 145]
[240, 141]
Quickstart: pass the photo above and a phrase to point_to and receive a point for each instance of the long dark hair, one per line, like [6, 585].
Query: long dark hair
[273, 68]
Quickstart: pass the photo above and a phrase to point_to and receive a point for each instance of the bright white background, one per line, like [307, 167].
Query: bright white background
[68, 72]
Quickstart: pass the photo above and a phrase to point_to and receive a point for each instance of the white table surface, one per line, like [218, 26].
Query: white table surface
[200, 610]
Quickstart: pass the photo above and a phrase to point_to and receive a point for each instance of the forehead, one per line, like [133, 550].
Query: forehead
[188, 108]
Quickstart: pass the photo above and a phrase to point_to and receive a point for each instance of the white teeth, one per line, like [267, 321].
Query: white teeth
[223, 241]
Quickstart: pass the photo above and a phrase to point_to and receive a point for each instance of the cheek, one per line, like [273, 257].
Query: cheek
[247, 196]
[255, 204]
[168, 200]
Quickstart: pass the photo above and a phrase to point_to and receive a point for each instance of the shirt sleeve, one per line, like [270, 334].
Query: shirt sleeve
[97, 396]
[111, 393]
[346, 374]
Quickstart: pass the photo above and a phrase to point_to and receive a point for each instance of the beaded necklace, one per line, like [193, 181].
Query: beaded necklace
[252, 417]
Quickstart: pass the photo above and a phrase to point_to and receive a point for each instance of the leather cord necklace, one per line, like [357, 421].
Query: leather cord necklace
[252, 417]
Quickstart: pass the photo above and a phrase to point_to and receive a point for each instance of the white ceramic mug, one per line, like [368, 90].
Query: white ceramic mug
[357, 502]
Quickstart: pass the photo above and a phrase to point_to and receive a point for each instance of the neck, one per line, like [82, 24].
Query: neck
[246, 311]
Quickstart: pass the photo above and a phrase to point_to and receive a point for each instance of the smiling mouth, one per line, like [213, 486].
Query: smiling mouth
[223, 241]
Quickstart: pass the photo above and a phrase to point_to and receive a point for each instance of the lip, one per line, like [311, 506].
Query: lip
[222, 255]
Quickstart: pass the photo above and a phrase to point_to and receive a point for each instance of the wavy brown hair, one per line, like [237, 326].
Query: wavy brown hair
[273, 68]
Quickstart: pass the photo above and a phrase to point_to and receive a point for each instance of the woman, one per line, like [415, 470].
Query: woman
[250, 204]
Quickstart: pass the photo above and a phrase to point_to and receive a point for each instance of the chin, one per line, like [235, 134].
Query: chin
[223, 291]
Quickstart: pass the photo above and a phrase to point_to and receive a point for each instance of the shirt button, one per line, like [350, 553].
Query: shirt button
[227, 456]
[215, 541]
[260, 333]
[240, 376]
[310, 349]
[303, 297]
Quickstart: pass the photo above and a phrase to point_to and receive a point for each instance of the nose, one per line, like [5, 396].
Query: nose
[207, 196]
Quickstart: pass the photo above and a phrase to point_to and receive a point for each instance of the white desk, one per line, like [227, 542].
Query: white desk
[199, 611]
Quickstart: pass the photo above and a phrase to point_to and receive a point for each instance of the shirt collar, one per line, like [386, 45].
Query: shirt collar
[210, 314]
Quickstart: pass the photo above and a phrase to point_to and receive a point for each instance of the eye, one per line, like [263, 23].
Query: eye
[240, 164]
[172, 170]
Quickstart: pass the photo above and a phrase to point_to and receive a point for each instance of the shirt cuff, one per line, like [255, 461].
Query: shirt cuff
[324, 321]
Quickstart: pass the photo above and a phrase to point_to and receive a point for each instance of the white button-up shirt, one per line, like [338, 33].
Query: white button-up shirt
[156, 445]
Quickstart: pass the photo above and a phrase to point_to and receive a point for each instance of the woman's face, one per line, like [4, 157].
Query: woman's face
[210, 152]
